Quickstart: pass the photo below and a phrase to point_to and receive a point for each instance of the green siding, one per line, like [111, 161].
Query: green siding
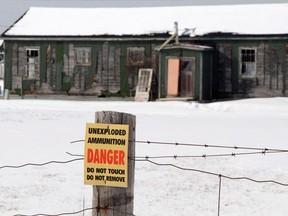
[59, 65]
[203, 61]
[124, 89]
[55, 69]
[8, 65]
[43, 49]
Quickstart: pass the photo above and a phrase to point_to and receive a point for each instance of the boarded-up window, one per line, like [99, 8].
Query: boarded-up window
[135, 56]
[248, 62]
[83, 56]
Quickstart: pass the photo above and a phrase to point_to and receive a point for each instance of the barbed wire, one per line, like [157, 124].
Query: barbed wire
[209, 146]
[81, 157]
[201, 145]
[205, 155]
[214, 174]
[194, 156]
[78, 212]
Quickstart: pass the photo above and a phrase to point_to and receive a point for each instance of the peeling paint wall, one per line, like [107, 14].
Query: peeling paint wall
[271, 68]
[79, 68]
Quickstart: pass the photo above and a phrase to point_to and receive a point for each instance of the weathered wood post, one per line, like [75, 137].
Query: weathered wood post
[116, 201]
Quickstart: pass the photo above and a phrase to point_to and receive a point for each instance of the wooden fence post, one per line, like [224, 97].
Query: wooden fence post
[116, 201]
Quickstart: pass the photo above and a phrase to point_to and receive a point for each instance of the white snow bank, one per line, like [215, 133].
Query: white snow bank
[244, 19]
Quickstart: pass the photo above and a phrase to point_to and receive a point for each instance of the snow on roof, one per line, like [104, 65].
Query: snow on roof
[192, 20]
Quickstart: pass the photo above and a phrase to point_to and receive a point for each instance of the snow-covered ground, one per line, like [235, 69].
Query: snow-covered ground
[38, 131]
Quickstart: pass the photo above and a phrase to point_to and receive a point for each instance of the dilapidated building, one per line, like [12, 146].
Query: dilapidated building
[214, 52]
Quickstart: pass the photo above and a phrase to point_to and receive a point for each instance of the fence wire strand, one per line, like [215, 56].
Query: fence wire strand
[77, 212]
[207, 155]
[193, 156]
[252, 151]
[60, 214]
[209, 146]
[41, 164]
[142, 157]
[201, 145]
[214, 174]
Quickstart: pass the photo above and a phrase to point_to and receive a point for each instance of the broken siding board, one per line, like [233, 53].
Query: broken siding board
[53, 71]
[260, 86]
[105, 66]
[228, 68]
[154, 57]
[65, 59]
[48, 64]
[16, 78]
[59, 65]
[82, 79]
[274, 65]
[16, 82]
[117, 67]
[113, 85]
[285, 70]
[225, 68]
[65, 64]
[260, 65]
[277, 59]
[42, 65]
[99, 67]
[77, 78]
[108, 68]
[267, 67]
[105, 59]
[15, 60]
[111, 64]
[22, 61]
[71, 59]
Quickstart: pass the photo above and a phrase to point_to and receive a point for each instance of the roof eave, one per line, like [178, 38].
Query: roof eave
[146, 37]
[235, 37]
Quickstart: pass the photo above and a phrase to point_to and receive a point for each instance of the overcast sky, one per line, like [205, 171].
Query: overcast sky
[11, 10]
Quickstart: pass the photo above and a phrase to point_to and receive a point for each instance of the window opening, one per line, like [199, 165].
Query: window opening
[32, 63]
[83, 56]
[248, 62]
[135, 56]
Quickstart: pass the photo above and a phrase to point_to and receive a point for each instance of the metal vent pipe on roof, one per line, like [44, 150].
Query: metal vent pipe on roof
[175, 35]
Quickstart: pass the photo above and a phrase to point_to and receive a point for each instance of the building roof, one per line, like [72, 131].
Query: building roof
[259, 19]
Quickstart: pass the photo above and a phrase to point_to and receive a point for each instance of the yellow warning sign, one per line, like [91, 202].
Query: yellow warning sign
[106, 155]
